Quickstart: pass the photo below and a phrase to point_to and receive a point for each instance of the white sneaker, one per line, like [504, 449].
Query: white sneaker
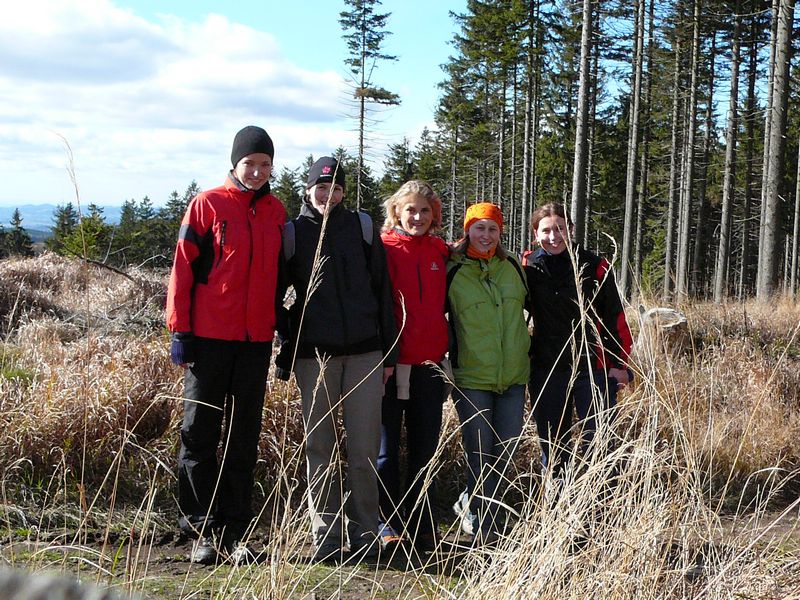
[468, 518]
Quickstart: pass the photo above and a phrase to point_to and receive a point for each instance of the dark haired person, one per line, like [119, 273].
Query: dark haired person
[221, 312]
[596, 348]
[342, 333]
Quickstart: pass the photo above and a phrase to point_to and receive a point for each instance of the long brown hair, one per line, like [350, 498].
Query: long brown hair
[552, 209]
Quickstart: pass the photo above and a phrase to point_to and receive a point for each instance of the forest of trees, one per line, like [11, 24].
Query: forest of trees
[666, 128]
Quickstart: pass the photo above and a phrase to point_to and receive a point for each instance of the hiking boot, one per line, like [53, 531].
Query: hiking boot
[389, 537]
[203, 551]
[237, 552]
[426, 542]
[328, 551]
[365, 550]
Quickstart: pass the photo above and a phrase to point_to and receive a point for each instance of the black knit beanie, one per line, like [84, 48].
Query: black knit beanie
[324, 171]
[251, 140]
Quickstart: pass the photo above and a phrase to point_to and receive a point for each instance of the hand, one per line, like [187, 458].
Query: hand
[620, 375]
[387, 373]
[181, 350]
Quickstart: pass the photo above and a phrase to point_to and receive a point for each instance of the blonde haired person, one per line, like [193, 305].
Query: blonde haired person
[417, 260]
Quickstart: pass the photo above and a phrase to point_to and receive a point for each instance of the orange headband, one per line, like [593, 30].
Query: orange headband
[483, 210]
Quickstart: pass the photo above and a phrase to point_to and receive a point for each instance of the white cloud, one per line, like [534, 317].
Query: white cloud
[147, 106]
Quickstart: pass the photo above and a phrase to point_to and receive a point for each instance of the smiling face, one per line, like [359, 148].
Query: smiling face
[320, 195]
[415, 214]
[551, 233]
[484, 235]
[254, 170]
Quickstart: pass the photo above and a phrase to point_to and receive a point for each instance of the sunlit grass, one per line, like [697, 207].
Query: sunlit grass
[677, 502]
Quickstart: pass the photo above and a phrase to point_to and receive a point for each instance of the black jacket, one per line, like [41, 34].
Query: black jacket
[350, 311]
[557, 315]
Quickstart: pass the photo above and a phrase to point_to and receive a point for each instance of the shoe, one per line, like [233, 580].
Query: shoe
[327, 552]
[427, 542]
[388, 536]
[204, 552]
[365, 550]
[468, 518]
[239, 554]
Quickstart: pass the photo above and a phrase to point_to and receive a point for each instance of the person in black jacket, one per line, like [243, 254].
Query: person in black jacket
[581, 339]
[341, 333]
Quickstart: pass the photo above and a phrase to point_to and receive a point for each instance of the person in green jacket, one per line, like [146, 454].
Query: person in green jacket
[486, 296]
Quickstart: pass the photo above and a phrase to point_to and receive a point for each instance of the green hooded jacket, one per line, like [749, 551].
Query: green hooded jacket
[490, 341]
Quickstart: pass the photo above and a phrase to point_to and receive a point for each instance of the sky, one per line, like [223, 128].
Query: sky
[146, 96]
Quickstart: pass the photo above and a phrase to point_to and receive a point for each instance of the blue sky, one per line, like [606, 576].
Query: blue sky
[149, 94]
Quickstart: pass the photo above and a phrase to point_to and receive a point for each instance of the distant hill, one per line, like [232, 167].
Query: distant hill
[39, 217]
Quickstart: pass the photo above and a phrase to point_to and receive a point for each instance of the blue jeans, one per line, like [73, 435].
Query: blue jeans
[553, 400]
[411, 511]
[491, 424]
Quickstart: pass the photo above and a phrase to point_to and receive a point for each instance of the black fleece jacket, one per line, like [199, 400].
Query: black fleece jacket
[558, 332]
[350, 310]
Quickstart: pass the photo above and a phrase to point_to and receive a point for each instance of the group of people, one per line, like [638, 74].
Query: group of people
[386, 324]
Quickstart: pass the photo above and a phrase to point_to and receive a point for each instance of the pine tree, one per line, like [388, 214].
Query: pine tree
[18, 242]
[397, 168]
[65, 220]
[289, 189]
[92, 237]
[364, 33]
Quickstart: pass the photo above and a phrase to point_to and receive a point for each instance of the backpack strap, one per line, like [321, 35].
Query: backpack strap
[288, 240]
[528, 301]
[366, 226]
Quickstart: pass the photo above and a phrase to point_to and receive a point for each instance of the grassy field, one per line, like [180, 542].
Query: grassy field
[693, 495]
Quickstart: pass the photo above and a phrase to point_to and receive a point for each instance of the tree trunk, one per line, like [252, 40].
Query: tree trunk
[633, 153]
[578, 207]
[592, 130]
[767, 259]
[512, 184]
[682, 279]
[726, 224]
[645, 164]
[746, 270]
[795, 229]
[767, 136]
[501, 153]
[674, 160]
[699, 281]
[526, 135]
[453, 196]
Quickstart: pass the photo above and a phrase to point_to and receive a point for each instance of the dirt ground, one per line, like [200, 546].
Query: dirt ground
[161, 569]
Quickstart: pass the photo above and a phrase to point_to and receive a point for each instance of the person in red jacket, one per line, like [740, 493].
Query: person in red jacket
[221, 313]
[417, 268]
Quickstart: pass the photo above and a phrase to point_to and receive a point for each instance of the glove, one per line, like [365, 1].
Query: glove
[181, 350]
[283, 360]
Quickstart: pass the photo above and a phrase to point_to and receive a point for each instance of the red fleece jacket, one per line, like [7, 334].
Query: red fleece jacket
[225, 270]
[417, 269]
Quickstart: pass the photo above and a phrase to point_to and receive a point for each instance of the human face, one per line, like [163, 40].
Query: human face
[254, 170]
[551, 233]
[415, 214]
[484, 235]
[321, 195]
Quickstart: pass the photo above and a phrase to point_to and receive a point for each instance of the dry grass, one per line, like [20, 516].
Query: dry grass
[705, 447]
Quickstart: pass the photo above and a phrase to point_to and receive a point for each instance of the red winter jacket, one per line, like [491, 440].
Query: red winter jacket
[225, 271]
[417, 269]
